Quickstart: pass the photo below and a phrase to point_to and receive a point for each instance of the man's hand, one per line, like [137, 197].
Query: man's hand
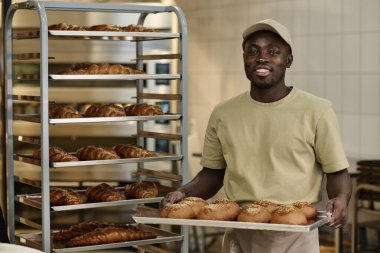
[172, 197]
[338, 209]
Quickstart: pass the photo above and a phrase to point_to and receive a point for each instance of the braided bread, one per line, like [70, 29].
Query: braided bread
[63, 111]
[143, 110]
[132, 151]
[103, 193]
[110, 235]
[95, 153]
[104, 111]
[56, 154]
[60, 197]
[77, 230]
[101, 69]
[141, 190]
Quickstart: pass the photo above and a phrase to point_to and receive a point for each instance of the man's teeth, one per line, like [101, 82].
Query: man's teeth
[262, 70]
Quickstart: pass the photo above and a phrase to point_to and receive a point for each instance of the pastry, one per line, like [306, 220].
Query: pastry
[56, 154]
[143, 110]
[95, 153]
[63, 111]
[141, 190]
[104, 111]
[132, 151]
[77, 230]
[61, 197]
[100, 69]
[103, 193]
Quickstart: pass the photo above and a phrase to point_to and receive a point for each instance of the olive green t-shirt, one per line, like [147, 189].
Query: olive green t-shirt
[274, 151]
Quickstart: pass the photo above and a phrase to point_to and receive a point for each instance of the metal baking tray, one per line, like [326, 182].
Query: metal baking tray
[31, 160]
[35, 241]
[152, 217]
[36, 118]
[99, 35]
[36, 77]
[35, 200]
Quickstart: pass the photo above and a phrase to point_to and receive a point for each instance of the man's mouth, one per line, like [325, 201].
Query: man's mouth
[262, 72]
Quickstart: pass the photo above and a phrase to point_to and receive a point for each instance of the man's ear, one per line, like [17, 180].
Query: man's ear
[289, 60]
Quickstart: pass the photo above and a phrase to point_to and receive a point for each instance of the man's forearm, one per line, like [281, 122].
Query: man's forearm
[339, 185]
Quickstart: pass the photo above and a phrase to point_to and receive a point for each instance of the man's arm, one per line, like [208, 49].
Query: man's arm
[339, 189]
[204, 185]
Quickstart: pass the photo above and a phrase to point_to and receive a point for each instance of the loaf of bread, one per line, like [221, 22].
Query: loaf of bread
[254, 213]
[61, 197]
[56, 154]
[307, 208]
[181, 210]
[195, 203]
[104, 111]
[132, 151]
[95, 153]
[77, 230]
[270, 206]
[109, 235]
[57, 111]
[288, 214]
[141, 190]
[65, 27]
[143, 110]
[103, 193]
[101, 69]
[220, 209]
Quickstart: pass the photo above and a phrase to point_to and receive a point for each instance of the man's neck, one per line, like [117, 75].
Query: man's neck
[269, 95]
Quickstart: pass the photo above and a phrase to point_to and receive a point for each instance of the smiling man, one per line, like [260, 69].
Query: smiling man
[274, 142]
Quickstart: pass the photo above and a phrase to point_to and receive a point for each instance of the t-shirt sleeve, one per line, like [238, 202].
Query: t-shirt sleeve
[212, 156]
[328, 144]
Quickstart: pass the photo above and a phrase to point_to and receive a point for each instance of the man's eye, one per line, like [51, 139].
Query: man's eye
[252, 52]
[274, 52]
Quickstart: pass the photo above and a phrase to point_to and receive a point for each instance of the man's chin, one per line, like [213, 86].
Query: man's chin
[262, 86]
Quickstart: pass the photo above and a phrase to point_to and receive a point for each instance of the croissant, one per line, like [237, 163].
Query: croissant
[63, 111]
[132, 151]
[60, 197]
[102, 69]
[65, 27]
[56, 154]
[102, 193]
[77, 230]
[104, 111]
[109, 235]
[141, 190]
[143, 110]
[95, 153]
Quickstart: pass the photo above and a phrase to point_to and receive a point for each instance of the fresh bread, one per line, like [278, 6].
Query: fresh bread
[254, 213]
[103, 193]
[65, 27]
[132, 151]
[288, 214]
[57, 111]
[102, 27]
[220, 209]
[141, 190]
[104, 111]
[77, 230]
[178, 211]
[110, 235]
[56, 154]
[143, 110]
[270, 206]
[95, 153]
[195, 203]
[61, 197]
[101, 69]
[307, 208]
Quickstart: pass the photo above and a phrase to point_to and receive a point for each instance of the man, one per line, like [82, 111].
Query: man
[273, 143]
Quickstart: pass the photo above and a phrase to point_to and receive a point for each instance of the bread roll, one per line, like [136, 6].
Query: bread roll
[307, 208]
[103, 193]
[195, 203]
[288, 214]
[143, 110]
[177, 211]
[254, 213]
[220, 209]
[56, 154]
[61, 197]
[270, 206]
[95, 153]
[132, 151]
[77, 230]
[141, 190]
[104, 111]
[101, 69]
[63, 111]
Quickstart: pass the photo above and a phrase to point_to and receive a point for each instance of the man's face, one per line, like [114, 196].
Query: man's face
[266, 57]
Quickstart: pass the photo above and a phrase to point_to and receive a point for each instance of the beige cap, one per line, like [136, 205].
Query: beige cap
[270, 25]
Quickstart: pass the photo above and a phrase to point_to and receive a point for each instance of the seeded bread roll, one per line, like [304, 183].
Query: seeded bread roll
[254, 213]
[270, 206]
[307, 208]
[177, 211]
[220, 209]
[195, 203]
[288, 214]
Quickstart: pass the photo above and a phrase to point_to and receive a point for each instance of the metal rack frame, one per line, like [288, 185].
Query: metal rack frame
[42, 7]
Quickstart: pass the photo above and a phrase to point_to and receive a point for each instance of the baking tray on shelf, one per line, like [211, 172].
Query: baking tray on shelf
[36, 77]
[152, 217]
[36, 118]
[161, 157]
[35, 241]
[35, 200]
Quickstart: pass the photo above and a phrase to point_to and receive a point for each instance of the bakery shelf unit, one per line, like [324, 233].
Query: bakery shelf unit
[39, 199]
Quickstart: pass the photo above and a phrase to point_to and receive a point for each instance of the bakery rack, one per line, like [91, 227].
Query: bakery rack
[40, 200]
